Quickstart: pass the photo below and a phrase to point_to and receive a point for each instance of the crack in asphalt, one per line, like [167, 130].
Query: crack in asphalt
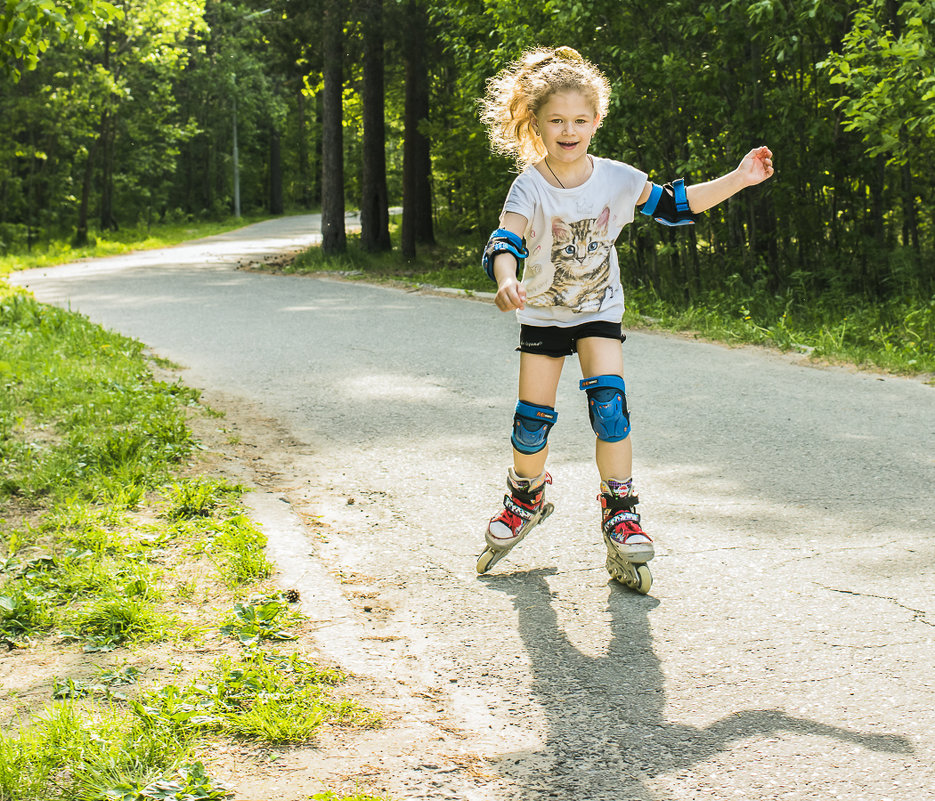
[918, 615]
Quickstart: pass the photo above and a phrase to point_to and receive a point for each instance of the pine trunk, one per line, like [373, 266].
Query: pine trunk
[333, 236]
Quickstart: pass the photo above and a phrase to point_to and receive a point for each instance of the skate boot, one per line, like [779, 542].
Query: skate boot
[523, 509]
[629, 548]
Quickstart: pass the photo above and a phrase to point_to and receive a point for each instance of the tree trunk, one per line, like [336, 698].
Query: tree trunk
[374, 212]
[304, 196]
[81, 233]
[417, 165]
[108, 220]
[275, 173]
[333, 237]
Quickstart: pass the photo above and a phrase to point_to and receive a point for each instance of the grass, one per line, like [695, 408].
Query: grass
[263, 695]
[115, 554]
[112, 243]
[80, 414]
[896, 336]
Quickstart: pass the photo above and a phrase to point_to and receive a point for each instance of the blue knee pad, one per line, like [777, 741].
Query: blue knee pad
[531, 425]
[607, 406]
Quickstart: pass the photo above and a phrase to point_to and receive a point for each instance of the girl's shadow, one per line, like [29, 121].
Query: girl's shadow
[606, 731]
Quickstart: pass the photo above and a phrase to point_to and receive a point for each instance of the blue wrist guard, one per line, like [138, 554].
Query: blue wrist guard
[669, 204]
[503, 241]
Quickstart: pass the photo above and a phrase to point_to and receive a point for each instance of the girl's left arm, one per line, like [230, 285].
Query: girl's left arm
[755, 168]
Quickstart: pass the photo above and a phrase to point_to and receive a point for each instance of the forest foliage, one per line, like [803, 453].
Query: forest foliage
[123, 113]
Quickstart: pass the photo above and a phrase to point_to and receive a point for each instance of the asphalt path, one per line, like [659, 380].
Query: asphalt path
[786, 649]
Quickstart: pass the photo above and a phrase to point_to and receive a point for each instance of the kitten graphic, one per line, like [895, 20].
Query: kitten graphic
[581, 255]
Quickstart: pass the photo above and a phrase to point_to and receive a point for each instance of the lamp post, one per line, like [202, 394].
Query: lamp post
[236, 153]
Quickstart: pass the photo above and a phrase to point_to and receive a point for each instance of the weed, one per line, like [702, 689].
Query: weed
[189, 783]
[356, 797]
[198, 497]
[23, 613]
[103, 685]
[236, 547]
[109, 622]
[260, 619]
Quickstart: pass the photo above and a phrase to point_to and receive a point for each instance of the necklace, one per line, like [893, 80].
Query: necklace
[553, 172]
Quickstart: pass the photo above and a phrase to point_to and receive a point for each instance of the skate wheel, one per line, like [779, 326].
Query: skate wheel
[644, 580]
[636, 577]
[488, 559]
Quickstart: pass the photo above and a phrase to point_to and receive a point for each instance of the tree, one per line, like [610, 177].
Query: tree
[887, 72]
[333, 236]
[374, 211]
[29, 27]
[417, 163]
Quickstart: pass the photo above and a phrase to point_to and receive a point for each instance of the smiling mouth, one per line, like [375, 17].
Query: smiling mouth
[568, 145]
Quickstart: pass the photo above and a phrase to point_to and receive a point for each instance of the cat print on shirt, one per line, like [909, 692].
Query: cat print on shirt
[581, 256]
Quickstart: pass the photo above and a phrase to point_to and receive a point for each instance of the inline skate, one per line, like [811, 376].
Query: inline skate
[629, 548]
[524, 508]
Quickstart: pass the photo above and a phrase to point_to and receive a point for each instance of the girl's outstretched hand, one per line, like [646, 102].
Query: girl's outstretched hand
[756, 166]
[511, 294]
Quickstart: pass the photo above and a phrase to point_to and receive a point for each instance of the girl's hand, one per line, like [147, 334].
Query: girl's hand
[511, 294]
[756, 166]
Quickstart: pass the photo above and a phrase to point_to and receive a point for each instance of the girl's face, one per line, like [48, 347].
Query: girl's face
[566, 122]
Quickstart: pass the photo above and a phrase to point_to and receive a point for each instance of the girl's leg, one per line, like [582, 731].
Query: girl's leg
[603, 356]
[524, 505]
[627, 543]
[538, 383]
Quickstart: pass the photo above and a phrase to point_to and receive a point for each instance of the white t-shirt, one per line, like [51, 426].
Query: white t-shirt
[572, 275]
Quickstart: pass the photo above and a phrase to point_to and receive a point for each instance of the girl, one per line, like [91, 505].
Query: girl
[561, 218]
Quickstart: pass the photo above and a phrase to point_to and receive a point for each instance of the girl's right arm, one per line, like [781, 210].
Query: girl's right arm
[511, 294]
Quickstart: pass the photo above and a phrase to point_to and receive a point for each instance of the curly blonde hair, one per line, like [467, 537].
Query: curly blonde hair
[515, 95]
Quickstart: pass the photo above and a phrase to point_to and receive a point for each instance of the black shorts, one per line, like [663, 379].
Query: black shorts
[552, 340]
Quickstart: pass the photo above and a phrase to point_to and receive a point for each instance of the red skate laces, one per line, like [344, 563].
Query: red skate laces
[623, 525]
[519, 506]
[514, 514]
[620, 522]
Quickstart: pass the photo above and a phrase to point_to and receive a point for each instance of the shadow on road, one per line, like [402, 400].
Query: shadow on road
[607, 732]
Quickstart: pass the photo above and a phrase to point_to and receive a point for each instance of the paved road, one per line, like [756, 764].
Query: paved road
[786, 651]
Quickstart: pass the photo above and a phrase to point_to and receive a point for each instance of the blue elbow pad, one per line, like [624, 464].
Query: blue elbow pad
[503, 241]
[668, 204]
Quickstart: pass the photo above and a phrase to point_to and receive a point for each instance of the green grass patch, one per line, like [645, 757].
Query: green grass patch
[198, 497]
[83, 574]
[898, 336]
[266, 696]
[107, 553]
[86, 753]
[80, 413]
[113, 243]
